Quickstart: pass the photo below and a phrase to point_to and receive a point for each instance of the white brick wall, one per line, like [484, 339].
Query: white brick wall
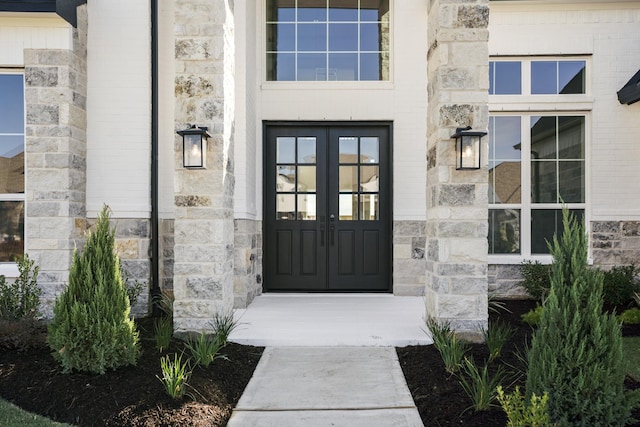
[17, 33]
[118, 107]
[401, 100]
[610, 33]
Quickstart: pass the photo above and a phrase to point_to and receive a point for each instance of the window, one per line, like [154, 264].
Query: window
[327, 40]
[11, 166]
[537, 160]
[546, 77]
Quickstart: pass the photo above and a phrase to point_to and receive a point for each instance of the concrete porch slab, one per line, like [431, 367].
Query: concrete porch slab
[332, 320]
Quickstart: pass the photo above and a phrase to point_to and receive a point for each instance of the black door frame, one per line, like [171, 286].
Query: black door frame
[388, 184]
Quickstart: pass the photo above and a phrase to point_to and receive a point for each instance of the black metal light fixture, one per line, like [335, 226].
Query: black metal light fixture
[468, 145]
[194, 146]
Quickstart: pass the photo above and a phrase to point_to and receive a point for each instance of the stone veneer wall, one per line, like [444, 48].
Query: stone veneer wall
[615, 243]
[203, 226]
[247, 262]
[133, 238]
[505, 281]
[457, 72]
[55, 95]
[409, 263]
[166, 243]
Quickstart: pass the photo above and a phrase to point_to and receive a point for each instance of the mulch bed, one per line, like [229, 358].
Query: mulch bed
[129, 396]
[133, 396]
[439, 397]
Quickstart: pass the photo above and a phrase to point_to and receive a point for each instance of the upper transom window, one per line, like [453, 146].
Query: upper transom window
[537, 77]
[327, 40]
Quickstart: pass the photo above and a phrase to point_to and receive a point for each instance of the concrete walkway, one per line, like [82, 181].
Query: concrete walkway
[327, 386]
[330, 360]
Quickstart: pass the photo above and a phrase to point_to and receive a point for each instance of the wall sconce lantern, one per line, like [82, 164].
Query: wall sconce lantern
[468, 145]
[194, 146]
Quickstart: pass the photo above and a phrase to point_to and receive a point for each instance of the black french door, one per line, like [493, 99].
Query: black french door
[327, 218]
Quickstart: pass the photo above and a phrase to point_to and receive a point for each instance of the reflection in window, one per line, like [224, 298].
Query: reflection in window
[557, 77]
[505, 183]
[546, 223]
[505, 78]
[504, 231]
[359, 177]
[324, 40]
[12, 165]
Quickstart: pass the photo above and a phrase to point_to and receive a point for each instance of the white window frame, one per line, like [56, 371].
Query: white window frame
[524, 106]
[10, 269]
[312, 84]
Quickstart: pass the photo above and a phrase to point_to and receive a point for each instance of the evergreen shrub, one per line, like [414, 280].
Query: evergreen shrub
[576, 352]
[619, 285]
[91, 329]
[536, 279]
[21, 298]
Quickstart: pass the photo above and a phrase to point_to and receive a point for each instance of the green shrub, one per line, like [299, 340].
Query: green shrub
[479, 385]
[576, 352]
[533, 316]
[630, 316]
[495, 337]
[91, 330]
[619, 285]
[205, 349]
[175, 375]
[536, 279]
[21, 299]
[532, 413]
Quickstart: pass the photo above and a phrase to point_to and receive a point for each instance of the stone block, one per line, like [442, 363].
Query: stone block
[127, 248]
[41, 76]
[42, 114]
[630, 229]
[468, 285]
[456, 195]
[204, 288]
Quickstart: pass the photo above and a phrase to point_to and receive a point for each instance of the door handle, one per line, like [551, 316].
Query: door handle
[332, 230]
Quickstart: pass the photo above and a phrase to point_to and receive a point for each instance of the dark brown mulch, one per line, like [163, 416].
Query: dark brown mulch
[439, 397]
[133, 396]
[130, 396]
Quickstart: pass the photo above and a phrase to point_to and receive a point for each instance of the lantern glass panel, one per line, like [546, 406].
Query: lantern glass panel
[193, 151]
[468, 152]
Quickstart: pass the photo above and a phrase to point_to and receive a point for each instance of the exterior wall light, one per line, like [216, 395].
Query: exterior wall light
[194, 147]
[468, 145]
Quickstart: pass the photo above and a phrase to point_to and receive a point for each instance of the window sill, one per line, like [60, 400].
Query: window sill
[518, 259]
[9, 269]
[325, 85]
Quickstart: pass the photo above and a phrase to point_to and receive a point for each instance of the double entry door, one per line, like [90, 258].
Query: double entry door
[327, 218]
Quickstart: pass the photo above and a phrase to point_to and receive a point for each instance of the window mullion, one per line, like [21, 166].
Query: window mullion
[525, 212]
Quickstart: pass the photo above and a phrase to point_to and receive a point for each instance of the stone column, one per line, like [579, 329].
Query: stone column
[456, 249]
[55, 94]
[203, 227]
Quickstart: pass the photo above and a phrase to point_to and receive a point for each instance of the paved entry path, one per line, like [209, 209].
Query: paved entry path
[327, 386]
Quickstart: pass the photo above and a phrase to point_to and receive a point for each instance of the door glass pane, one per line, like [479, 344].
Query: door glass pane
[286, 150]
[348, 209]
[571, 177]
[306, 150]
[307, 178]
[543, 182]
[571, 137]
[369, 150]
[11, 231]
[285, 206]
[369, 179]
[285, 178]
[543, 137]
[11, 164]
[504, 231]
[348, 178]
[348, 147]
[368, 207]
[307, 206]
